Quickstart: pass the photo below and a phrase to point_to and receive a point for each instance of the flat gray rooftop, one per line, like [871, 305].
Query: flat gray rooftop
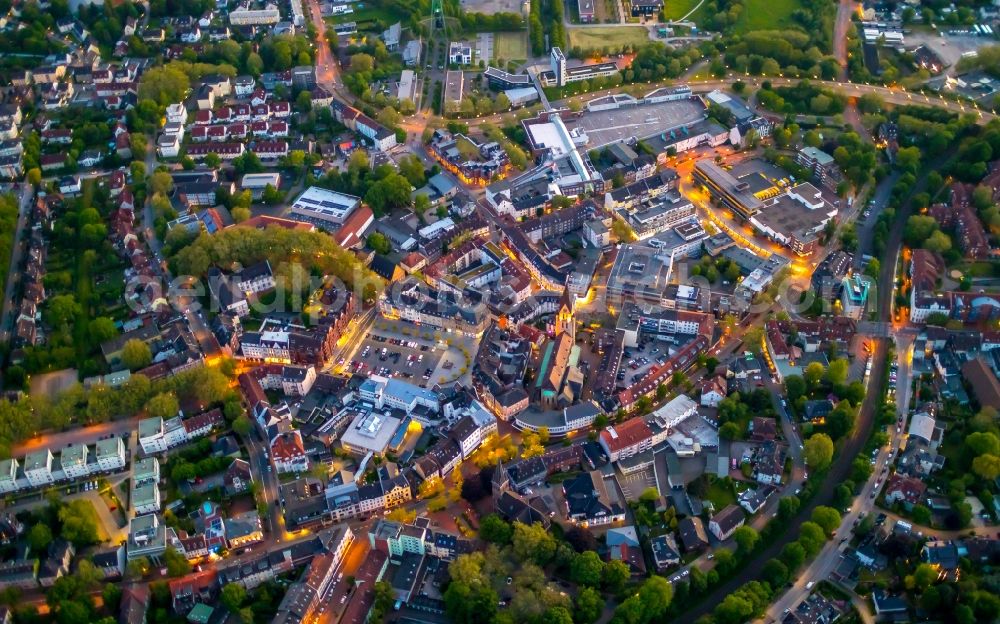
[608, 126]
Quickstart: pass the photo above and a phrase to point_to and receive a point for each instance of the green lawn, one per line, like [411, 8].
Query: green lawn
[365, 16]
[979, 269]
[677, 9]
[510, 45]
[614, 36]
[766, 15]
[721, 495]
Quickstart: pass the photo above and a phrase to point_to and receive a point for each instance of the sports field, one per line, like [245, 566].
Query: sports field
[510, 45]
[614, 36]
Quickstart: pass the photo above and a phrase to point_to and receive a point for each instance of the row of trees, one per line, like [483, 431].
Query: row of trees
[29, 415]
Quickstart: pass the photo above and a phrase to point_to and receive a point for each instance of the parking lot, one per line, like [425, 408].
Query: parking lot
[637, 361]
[634, 484]
[412, 359]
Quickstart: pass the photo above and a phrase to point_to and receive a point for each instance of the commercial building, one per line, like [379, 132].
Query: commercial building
[727, 190]
[369, 432]
[323, 208]
[499, 79]
[795, 218]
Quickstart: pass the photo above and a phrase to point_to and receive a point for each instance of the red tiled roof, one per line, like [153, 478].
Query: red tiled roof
[627, 434]
[288, 446]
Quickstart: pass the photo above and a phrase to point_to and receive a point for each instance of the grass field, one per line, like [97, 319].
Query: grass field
[721, 495]
[510, 45]
[364, 16]
[614, 36]
[677, 9]
[766, 15]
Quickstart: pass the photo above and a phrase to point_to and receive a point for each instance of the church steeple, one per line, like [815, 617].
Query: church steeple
[565, 322]
[501, 481]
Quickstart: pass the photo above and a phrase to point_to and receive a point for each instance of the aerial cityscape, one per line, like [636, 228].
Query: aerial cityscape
[499, 311]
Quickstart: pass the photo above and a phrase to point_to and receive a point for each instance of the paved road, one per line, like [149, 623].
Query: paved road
[197, 322]
[9, 313]
[844, 11]
[78, 435]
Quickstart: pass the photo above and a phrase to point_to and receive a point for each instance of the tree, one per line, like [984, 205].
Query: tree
[981, 443]
[232, 596]
[649, 604]
[496, 530]
[795, 387]
[532, 542]
[840, 421]
[242, 426]
[271, 195]
[938, 242]
[421, 204]
[39, 538]
[921, 514]
[923, 577]
[918, 228]
[987, 466]
[136, 354]
[164, 85]
[775, 573]
[746, 538]
[616, 573]
[379, 243]
[813, 374]
[589, 606]
[78, 522]
[411, 168]
[793, 555]
[177, 564]
[163, 405]
[102, 329]
[160, 183]
[467, 604]
[818, 451]
[733, 610]
[586, 568]
[361, 63]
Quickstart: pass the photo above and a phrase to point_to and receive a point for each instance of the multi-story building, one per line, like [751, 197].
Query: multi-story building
[145, 498]
[289, 453]
[854, 295]
[38, 468]
[110, 453]
[73, 460]
[727, 190]
[157, 435]
[147, 537]
[245, 16]
[8, 475]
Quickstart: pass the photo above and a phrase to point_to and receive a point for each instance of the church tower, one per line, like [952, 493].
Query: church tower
[565, 322]
[501, 482]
